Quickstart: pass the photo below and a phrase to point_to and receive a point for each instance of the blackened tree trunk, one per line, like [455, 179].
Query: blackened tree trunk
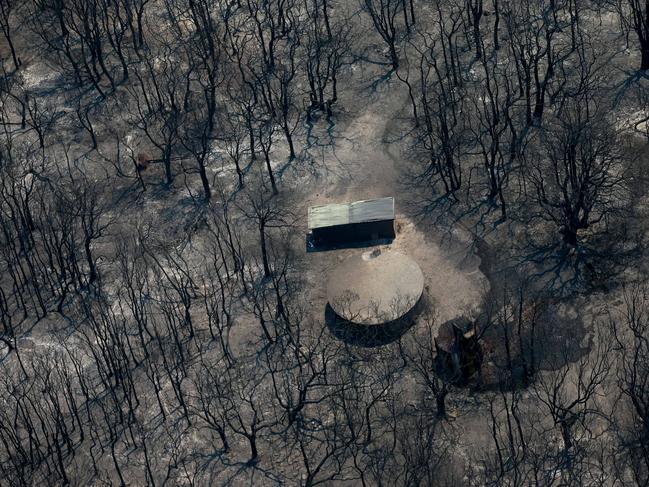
[635, 16]
[440, 402]
[5, 12]
[264, 249]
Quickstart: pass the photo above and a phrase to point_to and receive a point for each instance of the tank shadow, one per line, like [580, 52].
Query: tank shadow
[370, 336]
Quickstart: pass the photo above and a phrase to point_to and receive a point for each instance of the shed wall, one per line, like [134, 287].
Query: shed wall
[354, 232]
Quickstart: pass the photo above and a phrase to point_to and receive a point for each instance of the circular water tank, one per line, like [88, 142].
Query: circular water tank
[375, 288]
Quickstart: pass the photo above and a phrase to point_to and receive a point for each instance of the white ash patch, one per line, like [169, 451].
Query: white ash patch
[38, 76]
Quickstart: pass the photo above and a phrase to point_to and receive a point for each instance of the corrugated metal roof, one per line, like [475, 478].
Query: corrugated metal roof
[347, 213]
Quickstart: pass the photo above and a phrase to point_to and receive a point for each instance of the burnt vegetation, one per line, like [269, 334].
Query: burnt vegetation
[158, 319]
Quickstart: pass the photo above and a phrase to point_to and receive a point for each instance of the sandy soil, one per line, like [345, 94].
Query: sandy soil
[365, 163]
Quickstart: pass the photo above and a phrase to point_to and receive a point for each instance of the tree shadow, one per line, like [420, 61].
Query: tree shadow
[515, 352]
[375, 84]
[631, 79]
[593, 265]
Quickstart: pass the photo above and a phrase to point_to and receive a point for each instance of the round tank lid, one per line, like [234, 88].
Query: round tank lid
[375, 287]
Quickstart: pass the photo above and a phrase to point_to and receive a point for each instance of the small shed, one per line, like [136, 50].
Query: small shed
[359, 221]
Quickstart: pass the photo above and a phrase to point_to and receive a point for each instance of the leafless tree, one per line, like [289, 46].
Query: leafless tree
[579, 176]
[570, 394]
[634, 15]
[631, 333]
[421, 351]
[384, 14]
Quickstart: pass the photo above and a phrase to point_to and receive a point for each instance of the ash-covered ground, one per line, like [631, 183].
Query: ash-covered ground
[164, 320]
